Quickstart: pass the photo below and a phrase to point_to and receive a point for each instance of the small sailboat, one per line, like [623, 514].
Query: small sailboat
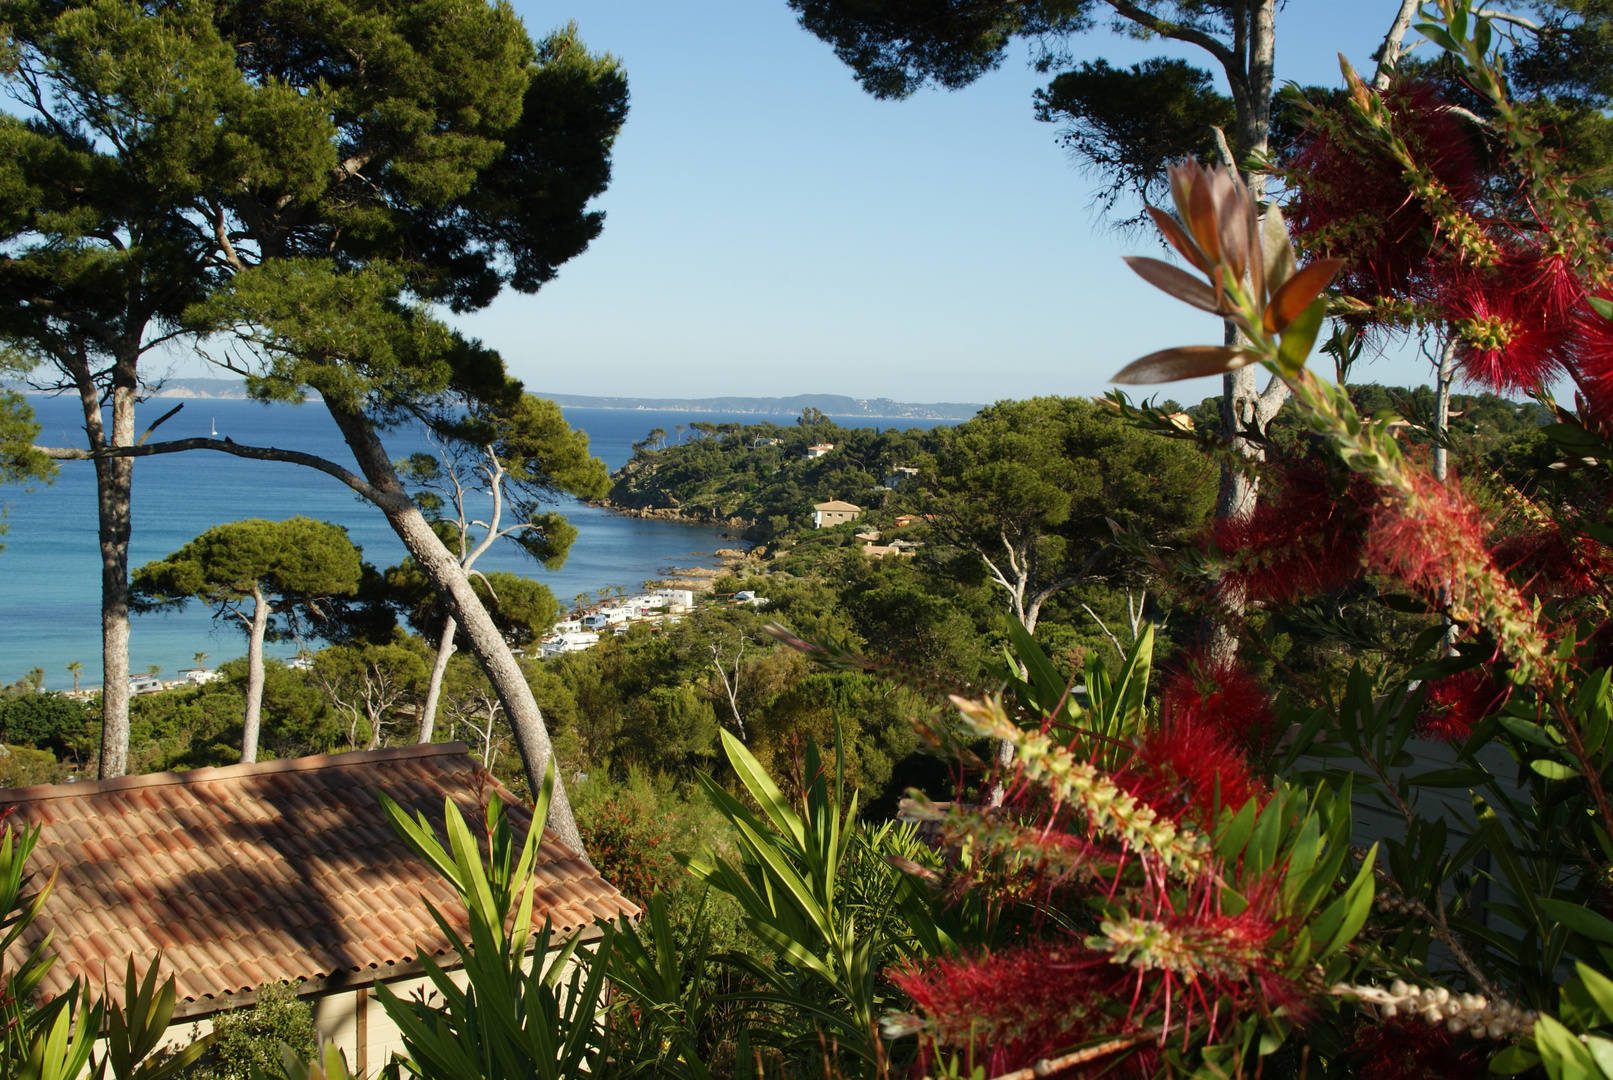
[214, 422]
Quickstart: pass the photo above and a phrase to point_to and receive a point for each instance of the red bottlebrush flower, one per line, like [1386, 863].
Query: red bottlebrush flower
[1455, 704]
[1507, 336]
[1191, 772]
[1303, 539]
[1403, 1049]
[1018, 1006]
[1353, 201]
[1441, 538]
[1593, 361]
[1548, 281]
[1221, 698]
[1552, 565]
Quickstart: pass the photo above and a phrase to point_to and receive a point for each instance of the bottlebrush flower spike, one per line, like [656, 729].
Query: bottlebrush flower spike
[1455, 704]
[1191, 772]
[1220, 698]
[1303, 539]
[1433, 538]
[1356, 200]
[1017, 1006]
[1110, 810]
[1507, 339]
[1593, 359]
[1550, 564]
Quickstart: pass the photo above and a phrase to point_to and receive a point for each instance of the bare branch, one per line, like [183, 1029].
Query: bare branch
[229, 446]
[1107, 632]
[1390, 53]
[1165, 28]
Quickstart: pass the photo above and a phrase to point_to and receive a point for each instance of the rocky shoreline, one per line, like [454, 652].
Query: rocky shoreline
[674, 513]
[703, 578]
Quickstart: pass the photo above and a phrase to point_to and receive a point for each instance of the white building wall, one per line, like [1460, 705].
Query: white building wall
[337, 1018]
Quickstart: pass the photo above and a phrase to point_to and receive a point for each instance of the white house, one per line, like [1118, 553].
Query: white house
[282, 871]
[819, 449]
[677, 597]
[834, 512]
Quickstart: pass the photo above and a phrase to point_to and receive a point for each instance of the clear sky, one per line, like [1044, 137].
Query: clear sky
[771, 229]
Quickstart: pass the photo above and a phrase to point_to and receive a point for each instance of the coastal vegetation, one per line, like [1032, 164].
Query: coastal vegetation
[1271, 736]
[262, 180]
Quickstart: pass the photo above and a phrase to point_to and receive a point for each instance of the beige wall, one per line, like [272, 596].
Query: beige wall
[336, 1017]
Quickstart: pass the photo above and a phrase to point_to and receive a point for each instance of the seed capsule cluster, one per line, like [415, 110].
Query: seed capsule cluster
[1473, 1013]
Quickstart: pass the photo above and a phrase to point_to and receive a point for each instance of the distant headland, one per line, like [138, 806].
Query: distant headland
[831, 404]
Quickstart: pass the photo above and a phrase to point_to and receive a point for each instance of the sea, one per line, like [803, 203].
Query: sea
[50, 569]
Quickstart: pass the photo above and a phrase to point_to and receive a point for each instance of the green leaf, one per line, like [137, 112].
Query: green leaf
[1579, 919]
[1599, 987]
[1602, 307]
[1553, 770]
[1449, 778]
[1300, 337]
[1513, 1060]
[1528, 732]
[762, 789]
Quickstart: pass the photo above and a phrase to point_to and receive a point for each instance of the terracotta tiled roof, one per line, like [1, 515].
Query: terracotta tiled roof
[283, 870]
[838, 505]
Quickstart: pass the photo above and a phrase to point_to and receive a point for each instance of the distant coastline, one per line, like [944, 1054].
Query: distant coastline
[838, 405]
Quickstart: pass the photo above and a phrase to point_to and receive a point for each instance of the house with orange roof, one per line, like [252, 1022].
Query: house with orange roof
[276, 872]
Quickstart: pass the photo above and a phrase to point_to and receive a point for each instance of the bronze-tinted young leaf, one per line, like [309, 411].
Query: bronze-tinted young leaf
[1232, 211]
[1297, 292]
[1176, 281]
[1184, 362]
[1178, 238]
[1202, 220]
[1181, 177]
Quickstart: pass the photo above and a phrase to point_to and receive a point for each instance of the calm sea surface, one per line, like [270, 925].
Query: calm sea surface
[50, 570]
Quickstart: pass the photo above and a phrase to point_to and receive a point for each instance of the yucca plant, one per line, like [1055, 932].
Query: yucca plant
[819, 889]
[526, 1014]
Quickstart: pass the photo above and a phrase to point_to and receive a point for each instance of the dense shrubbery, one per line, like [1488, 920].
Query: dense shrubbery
[247, 1040]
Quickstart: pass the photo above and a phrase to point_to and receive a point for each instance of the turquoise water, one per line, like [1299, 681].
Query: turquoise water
[50, 570]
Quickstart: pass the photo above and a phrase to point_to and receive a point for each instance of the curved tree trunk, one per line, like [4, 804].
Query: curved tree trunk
[251, 722]
[531, 737]
[445, 650]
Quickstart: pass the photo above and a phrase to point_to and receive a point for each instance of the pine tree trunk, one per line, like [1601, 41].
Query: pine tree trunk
[251, 722]
[114, 479]
[439, 564]
[445, 649]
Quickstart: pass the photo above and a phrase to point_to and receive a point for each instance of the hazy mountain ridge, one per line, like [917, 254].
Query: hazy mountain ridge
[831, 404]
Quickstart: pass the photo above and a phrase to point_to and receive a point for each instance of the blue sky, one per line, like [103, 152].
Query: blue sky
[773, 230]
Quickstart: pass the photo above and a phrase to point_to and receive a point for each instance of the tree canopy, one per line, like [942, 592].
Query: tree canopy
[1029, 487]
[254, 570]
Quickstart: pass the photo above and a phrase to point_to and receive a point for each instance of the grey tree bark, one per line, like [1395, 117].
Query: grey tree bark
[251, 721]
[526, 719]
[114, 484]
[428, 710]
[1442, 406]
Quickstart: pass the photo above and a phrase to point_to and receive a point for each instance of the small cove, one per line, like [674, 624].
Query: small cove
[50, 571]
